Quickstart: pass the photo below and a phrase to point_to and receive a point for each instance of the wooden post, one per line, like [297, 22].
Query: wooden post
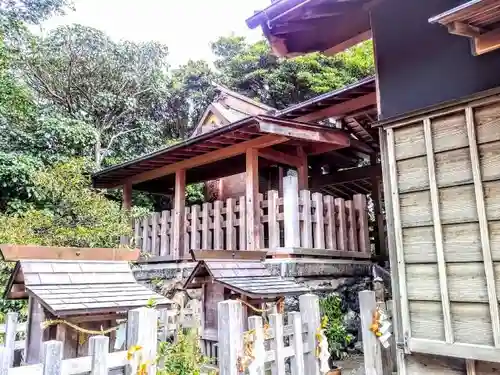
[272, 214]
[127, 197]
[230, 335]
[218, 233]
[371, 346]
[255, 324]
[10, 337]
[99, 348]
[252, 199]
[52, 357]
[309, 311]
[306, 227]
[291, 211]
[142, 330]
[319, 231]
[303, 169]
[34, 332]
[178, 216]
[297, 361]
[380, 244]
[4, 361]
[276, 325]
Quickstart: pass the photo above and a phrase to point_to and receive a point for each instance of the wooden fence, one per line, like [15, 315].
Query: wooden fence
[256, 348]
[311, 220]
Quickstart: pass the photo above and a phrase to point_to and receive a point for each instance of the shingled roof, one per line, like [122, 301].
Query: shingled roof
[80, 287]
[250, 278]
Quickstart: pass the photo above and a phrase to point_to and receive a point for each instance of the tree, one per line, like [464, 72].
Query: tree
[253, 70]
[116, 87]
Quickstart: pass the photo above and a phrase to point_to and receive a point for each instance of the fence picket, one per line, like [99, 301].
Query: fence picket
[352, 234]
[155, 245]
[243, 223]
[319, 229]
[291, 211]
[257, 366]
[10, 336]
[230, 222]
[137, 234]
[164, 233]
[362, 222]
[99, 349]
[297, 361]
[142, 331]
[146, 240]
[272, 214]
[195, 227]
[206, 238]
[306, 227]
[230, 315]
[331, 235]
[218, 234]
[309, 311]
[342, 229]
[276, 325]
[52, 357]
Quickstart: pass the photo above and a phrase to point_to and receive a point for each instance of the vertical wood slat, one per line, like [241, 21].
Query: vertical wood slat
[155, 244]
[195, 227]
[319, 229]
[361, 208]
[142, 330]
[99, 349]
[261, 223]
[470, 367]
[243, 224]
[291, 211]
[257, 366]
[230, 333]
[438, 234]
[483, 225]
[276, 326]
[371, 347]
[297, 361]
[398, 234]
[331, 229]
[10, 339]
[137, 233]
[52, 357]
[206, 238]
[185, 239]
[230, 221]
[164, 233]
[146, 239]
[342, 240]
[218, 233]
[272, 214]
[309, 312]
[252, 199]
[179, 216]
[352, 234]
[306, 222]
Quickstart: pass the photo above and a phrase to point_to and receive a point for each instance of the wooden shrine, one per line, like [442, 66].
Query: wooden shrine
[69, 298]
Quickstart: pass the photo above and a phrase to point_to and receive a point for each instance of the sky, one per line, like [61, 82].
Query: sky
[186, 26]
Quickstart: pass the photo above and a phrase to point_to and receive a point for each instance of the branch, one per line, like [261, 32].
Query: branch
[114, 137]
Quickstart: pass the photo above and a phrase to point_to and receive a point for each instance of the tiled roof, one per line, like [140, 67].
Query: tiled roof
[77, 287]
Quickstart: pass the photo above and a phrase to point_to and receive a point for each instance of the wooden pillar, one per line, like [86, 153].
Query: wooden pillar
[303, 169]
[252, 199]
[127, 197]
[34, 332]
[380, 244]
[178, 217]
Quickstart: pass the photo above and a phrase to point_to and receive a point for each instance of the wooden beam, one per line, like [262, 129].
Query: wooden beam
[463, 29]
[12, 253]
[487, 42]
[349, 175]
[280, 157]
[333, 136]
[252, 199]
[365, 35]
[342, 108]
[177, 251]
[303, 169]
[227, 152]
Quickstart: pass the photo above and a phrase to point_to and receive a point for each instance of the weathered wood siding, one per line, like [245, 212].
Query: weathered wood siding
[444, 172]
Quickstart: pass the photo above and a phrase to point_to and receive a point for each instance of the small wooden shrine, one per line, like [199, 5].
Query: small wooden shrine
[69, 298]
[240, 275]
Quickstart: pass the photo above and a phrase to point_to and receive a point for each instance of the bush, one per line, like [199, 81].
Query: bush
[335, 331]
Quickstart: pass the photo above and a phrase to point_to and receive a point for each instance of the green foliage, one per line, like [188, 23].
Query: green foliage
[335, 330]
[183, 357]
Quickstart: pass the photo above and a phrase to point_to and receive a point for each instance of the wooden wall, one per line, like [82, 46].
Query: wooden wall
[444, 177]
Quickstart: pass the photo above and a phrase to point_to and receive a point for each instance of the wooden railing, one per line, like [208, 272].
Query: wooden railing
[314, 221]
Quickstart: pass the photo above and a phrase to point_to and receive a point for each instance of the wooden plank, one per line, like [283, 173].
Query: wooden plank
[306, 224]
[155, 240]
[352, 234]
[218, 232]
[211, 157]
[195, 227]
[242, 224]
[302, 169]
[273, 224]
[99, 351]
[483, 226]
[34, 332]
[255, 324]
[277, 344]
[178, 222]
[137, 234]
[164, 233]
[12, 253]
[142, 330]
[470, 366]
[230, 222]
[331, 228]
[309, 311]
[361, 208]
[280, 157]
[319, 228]
[230, 336]
[333, 136]
[349, 175]
[291, 211]
[146, 239]
[297, 361]
[52, 357]
[396, 218]
[417, 364]
[252, 199]
[449, 132]
[487, 42]
[409, 141]
[342, 240]
[436, 218]
[324, 253]
[9, 339]
[371, 347]
[206, 238]
[341, 109]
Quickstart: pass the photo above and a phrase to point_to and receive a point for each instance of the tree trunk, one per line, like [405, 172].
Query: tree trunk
[97, 151]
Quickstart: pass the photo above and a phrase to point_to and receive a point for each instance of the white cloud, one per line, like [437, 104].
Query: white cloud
[186, 26]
